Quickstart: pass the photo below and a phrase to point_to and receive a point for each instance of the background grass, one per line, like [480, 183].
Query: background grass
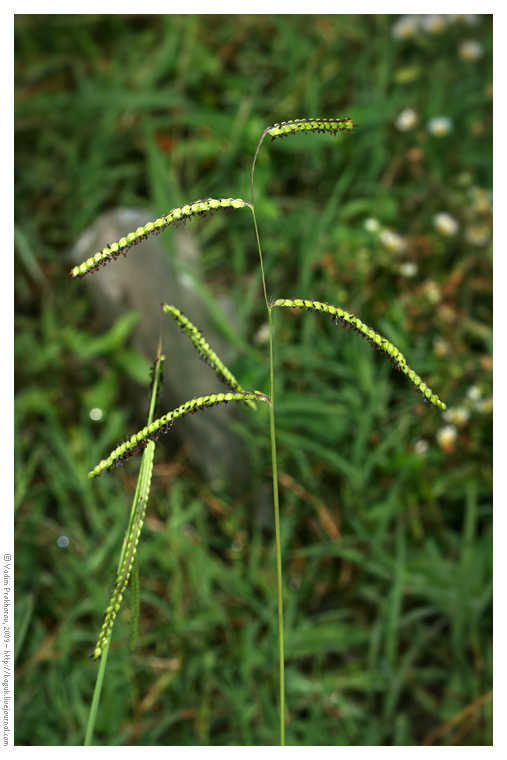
[386, 521]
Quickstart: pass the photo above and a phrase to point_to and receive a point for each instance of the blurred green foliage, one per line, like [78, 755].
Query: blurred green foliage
[386, 505]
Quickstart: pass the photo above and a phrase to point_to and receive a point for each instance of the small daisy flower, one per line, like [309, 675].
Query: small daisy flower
[406, 120]
[482, 202]
[457, 416]
[485, 405]
[421, 447]
[440, 126]
[434, 24]
[408, 269]
[477, 234]
[392, 241]
[470, 51]
[432, 292]
[440, 346]
[474, 393]
[372, 225]
[446, 438]
[262, 335]
[405, 28]
[445, 224]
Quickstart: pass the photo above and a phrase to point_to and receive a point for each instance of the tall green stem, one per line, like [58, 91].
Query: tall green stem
[274, 467]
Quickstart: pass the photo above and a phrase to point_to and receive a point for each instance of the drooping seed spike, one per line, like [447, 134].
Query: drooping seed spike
[149, 433]
[349, 320]
[329, 126]
[175, 216]
[204, 349]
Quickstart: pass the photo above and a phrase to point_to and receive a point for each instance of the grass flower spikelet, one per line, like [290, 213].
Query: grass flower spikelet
[374, 338]
[151, 432]
[175, 216]
[205, 350]
[331, 126]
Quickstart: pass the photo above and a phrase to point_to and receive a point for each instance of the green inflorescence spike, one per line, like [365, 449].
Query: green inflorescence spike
[329, 126]
[151, 432]
[177, 215]
[205, 350]
[374, 338]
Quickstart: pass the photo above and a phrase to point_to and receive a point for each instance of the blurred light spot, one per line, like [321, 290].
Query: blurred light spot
[440, 126]
[406, 120]
[421, 447]
[237, 545]
[408, 269]
[470, 51]
[63, 541]
[445, 224]
[96, 414]
[372, 225]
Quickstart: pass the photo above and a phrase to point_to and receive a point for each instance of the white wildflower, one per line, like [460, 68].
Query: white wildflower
[470, 51]
[421, 446]
[477, 234]
[434, 24]
[433, 292]
[474, 393]
[408, 269]
[405, 28]
[457, 415]
[485, 405]
[440, 346]
[392, 241]
[406, 120]
[440, 126]
[445, 224]
[482, 200]
[262, 335]
[446, 437]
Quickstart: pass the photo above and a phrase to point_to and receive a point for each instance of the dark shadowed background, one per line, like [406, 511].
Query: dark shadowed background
[386, 502]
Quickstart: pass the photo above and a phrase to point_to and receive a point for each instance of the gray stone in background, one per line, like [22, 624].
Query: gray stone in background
[142, 281]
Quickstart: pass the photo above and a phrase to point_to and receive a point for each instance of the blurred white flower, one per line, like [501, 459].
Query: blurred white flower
[445, 224]
[474, 393]
[470, 19]
[392, 241]
[440, 346]
[485, 405]
[406, 120]
[440, 126]
[477, 234]
[433, 292]
[372, 225]
[470, 51]
[446, 437]
[408, 269]
[421, 446]
[434, 24]
[262, 334]
[482, 200]
[457, 415]
[405, 28]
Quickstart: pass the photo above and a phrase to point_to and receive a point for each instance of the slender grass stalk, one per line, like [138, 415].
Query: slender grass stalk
[274, 468]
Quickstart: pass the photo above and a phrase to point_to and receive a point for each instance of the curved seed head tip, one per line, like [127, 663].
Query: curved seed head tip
[101, 258]
[397, 358]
